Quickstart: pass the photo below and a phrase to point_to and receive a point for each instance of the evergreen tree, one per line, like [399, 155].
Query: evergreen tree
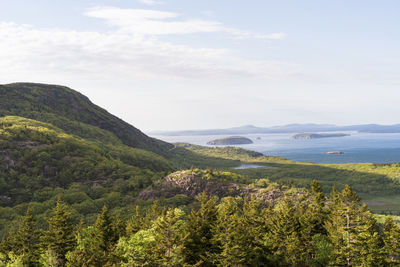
[119, 227]
[313, 215]
[284, 234]
[249, 235]
[228, 233]
[199, 231]
[169, 238]
[352, 232]
[26, 240]
[7, 243]
[135, 223]
[391, 239]
[152, 215]
[86, 252]
[59, 239]
[106, 236]
[95, 244]
[367, 242]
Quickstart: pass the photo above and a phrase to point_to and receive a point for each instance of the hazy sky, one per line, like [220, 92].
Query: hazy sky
[195, 64]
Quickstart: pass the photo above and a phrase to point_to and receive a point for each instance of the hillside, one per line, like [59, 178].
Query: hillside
[56, 142]
[108, 145]
[68, 109]
[67, 158]
[36, 155]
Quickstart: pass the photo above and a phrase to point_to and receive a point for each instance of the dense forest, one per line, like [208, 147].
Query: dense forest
[80, 187]
[300, 229]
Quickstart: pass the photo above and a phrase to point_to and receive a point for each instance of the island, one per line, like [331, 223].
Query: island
[335, 153]
[232, 140]
[318, 135]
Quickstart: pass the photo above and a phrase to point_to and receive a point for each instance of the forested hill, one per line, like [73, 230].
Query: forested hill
[80, 187]
[66, 109]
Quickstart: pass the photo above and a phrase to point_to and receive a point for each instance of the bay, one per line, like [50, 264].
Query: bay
[357, 148]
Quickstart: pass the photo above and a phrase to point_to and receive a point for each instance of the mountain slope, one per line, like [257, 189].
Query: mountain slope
[66, 109]
[36, 155]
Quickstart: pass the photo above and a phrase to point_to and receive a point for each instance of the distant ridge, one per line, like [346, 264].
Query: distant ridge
[289, 128]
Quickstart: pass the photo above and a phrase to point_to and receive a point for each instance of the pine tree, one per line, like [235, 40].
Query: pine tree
[7, 243]
[95, 244]
[106, 236]
[169, 238]
[151, 215]
[230, 234]
[135, 223]
[284, 233]
[249, 234]
[119, 227]
[391, 239]
[26, 240]
[86, 252]
[313, 215]
[59, 239]
[199, 231]
[352, 232]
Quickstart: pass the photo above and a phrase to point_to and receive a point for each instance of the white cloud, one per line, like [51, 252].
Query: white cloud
[151, 2]
[129, 51]
[153, 22]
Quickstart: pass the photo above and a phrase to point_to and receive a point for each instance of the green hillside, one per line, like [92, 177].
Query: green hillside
[68, 109]
[36, 155]
[144, 202]
[102, 146]
[54, 141]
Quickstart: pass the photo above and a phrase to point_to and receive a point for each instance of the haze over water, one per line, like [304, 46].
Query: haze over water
[357, 148]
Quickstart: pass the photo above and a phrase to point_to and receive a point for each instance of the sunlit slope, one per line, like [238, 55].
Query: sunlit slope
[35, 155]
[67, 109]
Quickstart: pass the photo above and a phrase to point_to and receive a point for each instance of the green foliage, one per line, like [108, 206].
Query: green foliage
[353, 232]
[169, 238]
[392, 242]
[379, 184]
[199, 228]
[40, 161]
[72, 112]
[136, 250]
[59, 239]
[298, 230]
[26, 240]
[96, 244]
[65, 159]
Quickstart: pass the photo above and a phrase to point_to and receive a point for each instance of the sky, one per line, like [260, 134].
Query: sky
[201, 64]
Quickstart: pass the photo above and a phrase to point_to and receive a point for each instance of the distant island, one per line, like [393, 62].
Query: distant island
[232, 140]
[335, 153]
[318, 135]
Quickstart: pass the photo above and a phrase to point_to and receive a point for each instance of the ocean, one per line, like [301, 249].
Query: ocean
[357, 148]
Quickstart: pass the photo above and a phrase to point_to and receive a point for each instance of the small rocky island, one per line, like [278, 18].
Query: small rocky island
[232, 140]
[335, 153]
[318, 135]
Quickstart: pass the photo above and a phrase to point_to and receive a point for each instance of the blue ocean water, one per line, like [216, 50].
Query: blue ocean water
[358, 147]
